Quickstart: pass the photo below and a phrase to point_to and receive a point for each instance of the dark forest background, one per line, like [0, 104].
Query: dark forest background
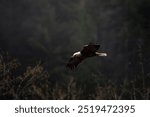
[37, 37]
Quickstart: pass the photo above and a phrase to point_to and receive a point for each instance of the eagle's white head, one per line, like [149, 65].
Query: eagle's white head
[100, 54]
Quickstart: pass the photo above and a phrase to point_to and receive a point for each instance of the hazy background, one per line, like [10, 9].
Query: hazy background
[51, 30]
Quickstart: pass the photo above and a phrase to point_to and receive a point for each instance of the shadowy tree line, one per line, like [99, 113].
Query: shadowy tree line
[51, 30]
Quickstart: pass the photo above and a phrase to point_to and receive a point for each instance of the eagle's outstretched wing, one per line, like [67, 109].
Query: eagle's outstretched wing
[89, 50]
[73, 62]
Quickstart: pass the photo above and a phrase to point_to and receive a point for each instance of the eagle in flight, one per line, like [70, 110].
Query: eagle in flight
[89, 50]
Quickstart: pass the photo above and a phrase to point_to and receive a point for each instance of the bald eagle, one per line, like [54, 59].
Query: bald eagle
[89, 50]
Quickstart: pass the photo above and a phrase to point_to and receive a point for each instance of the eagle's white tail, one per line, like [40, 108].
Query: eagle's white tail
[101, 54]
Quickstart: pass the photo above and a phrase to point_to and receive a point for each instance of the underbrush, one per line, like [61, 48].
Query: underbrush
[36, 83]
